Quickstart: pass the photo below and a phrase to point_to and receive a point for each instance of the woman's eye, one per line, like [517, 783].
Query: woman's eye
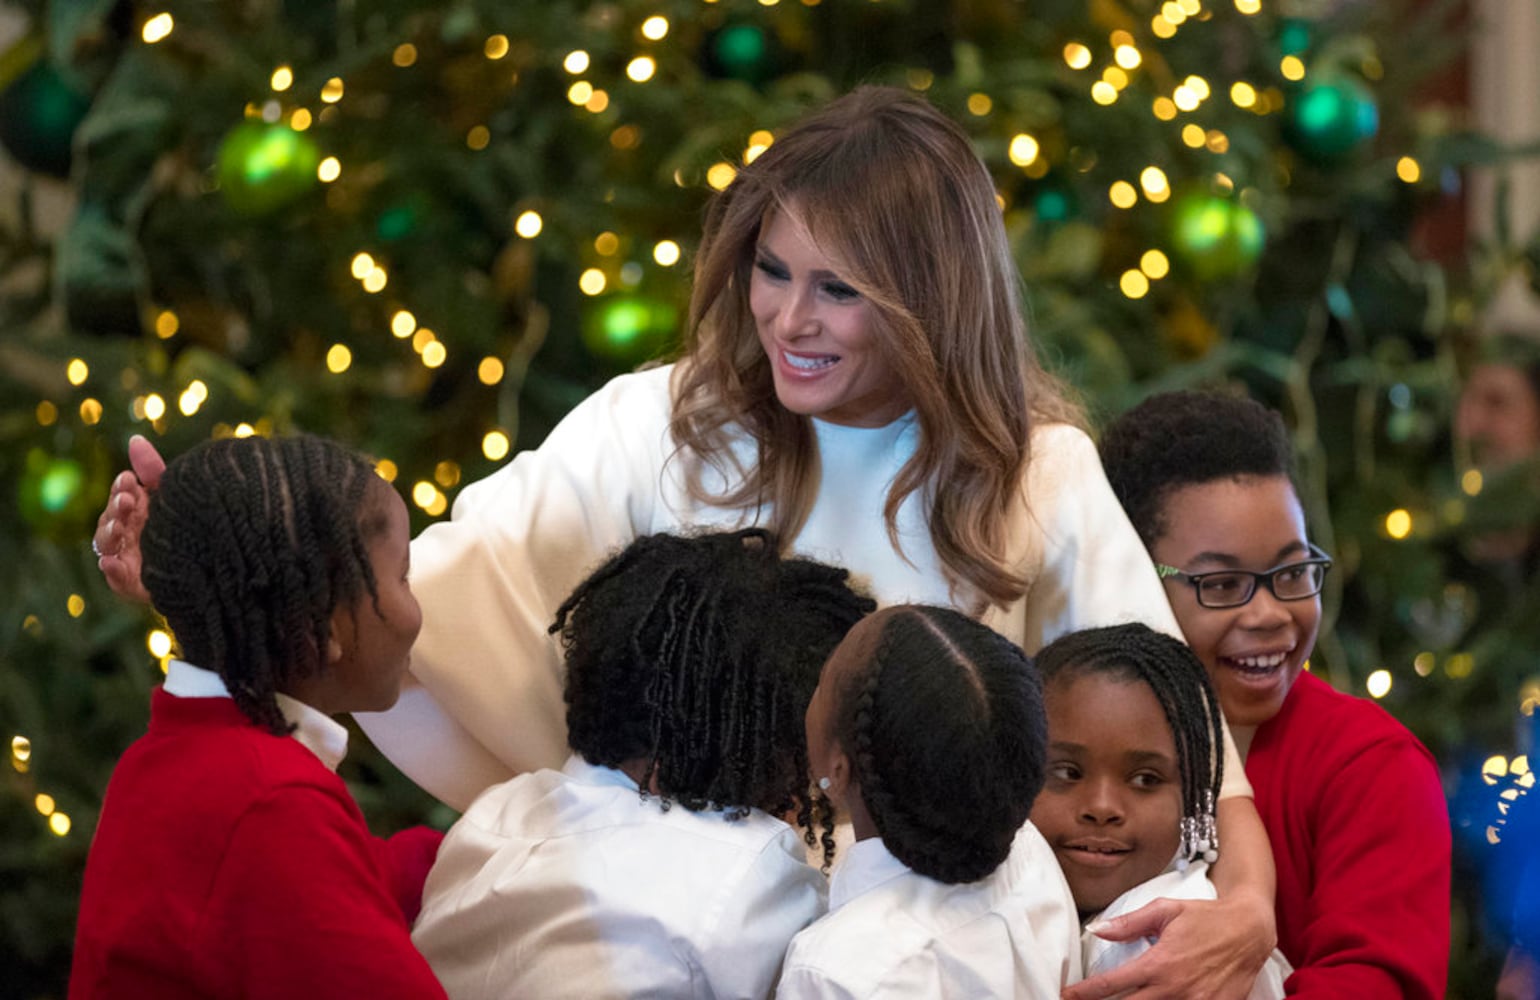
[839, 291]
[770, 269]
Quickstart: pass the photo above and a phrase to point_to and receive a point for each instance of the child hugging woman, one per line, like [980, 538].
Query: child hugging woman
[1133, 774]
[657, 861]
[230, 860]
[927, 727]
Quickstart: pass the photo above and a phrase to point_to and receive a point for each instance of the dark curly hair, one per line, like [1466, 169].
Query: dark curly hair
[1177, 439]
[944, 725]
[1136, 652]
[249, 546]
[699, 655]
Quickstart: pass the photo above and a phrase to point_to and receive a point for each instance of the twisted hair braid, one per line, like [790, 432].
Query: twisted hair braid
[699, 655]
[1136, 652]
[947, 738]
[249, 546]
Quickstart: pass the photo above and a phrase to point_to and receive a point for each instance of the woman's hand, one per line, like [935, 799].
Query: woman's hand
[1205, 949]
[116, 541]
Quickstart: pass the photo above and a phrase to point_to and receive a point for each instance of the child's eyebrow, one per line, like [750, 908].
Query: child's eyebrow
[1148, 757]
[1230, 561]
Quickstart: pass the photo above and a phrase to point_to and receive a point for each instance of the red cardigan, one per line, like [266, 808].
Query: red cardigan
[1360, 834]
[230, 862]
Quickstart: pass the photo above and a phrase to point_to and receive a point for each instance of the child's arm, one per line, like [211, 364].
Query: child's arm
[299, 907]
[405, 859]
[1206, 949]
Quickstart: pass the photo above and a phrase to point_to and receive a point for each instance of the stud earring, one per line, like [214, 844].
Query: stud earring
[823, 784]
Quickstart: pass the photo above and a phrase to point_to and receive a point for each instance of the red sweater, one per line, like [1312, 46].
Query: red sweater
[230, 862]
[1360, 834]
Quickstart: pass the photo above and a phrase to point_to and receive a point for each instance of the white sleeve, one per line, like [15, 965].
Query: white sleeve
[1095, 569]
[490, 579]
[754, 920]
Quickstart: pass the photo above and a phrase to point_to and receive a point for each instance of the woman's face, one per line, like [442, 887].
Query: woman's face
[818, 332]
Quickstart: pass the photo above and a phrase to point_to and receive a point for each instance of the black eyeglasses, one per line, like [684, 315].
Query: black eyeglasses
[1231, 588]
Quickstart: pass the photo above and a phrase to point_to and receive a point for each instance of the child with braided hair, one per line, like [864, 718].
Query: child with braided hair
[230, 859]
[655, 862]
[1133, 774]
[927, 727]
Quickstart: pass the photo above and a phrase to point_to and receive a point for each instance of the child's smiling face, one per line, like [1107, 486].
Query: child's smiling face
[1255, 652]
[1112, 807]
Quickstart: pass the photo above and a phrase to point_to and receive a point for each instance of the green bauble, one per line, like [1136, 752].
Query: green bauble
[1330, 118]
[742, 50]
[1295, 36]
[1054, 199]
[629, 329]
[1213, 237]
[262, 167]
[39, 113]
[52, 494]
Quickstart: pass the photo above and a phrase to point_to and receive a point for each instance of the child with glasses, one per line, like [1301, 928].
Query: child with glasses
[1134, 770]
[1350, 799]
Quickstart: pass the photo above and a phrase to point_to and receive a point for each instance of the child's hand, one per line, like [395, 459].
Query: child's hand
[1205, 949]
[116, 542]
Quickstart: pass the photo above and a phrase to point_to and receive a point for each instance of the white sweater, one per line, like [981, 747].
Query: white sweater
[518, 542]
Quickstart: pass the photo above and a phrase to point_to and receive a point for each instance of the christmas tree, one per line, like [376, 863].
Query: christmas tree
[429, 228]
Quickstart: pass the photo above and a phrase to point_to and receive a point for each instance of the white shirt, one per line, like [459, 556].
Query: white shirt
[569, 884]
[894, 933]
[490, 579]
[1100, 955]
[315, 730]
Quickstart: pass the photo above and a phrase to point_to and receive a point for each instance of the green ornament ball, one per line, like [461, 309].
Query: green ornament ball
[1054, 200]
[1214, 237]
[741, 50]
[262, 167]
[1331, 118]
[40, 112]
[1295, 36]
[52, 493]
[629, 329]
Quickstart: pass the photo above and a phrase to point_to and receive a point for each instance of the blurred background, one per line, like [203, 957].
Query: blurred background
[430, 228]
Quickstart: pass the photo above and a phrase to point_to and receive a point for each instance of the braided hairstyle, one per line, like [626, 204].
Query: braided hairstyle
[249, 546]
[699, 655]
[1136, 652]
[947, 738]
[1177, 439]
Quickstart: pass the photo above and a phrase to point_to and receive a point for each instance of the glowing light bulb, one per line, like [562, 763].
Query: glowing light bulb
[157, 28]
[495, 445]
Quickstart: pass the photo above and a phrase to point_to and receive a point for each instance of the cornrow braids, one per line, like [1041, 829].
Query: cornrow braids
[948, 740]
[699, 655]
[1173, 672]
[249, 546]
[1177, 439]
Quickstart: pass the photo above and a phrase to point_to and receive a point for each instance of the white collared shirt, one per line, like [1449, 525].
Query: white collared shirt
[569, 884]
[892, 932]
[1192, 882]
[315, 730]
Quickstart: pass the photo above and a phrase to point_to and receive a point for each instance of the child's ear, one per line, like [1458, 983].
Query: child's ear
[341, 638]
[838, 776]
